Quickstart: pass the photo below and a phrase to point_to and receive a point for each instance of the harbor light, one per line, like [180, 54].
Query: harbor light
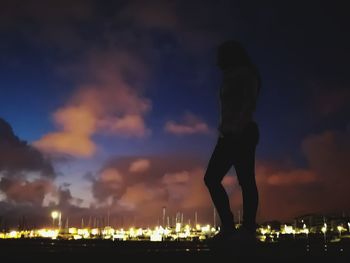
[54, 215]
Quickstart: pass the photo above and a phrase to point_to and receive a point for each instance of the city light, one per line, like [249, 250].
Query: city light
[332, 231]
[56, 215]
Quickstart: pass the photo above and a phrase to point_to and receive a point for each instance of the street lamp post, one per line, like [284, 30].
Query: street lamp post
[54, 215]
[324, 231]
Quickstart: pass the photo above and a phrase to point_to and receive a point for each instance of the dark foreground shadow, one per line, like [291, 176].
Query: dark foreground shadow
[40, 250]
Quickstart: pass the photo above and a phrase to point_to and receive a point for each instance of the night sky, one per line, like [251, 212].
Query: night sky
[114, 107]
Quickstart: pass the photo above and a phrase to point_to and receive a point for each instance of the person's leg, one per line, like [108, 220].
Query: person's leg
[245, 170]
[219, 164]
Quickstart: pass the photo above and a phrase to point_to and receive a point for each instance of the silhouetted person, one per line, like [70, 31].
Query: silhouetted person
[237, 140]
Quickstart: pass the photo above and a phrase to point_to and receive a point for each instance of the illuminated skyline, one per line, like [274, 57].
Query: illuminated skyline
[119, 106]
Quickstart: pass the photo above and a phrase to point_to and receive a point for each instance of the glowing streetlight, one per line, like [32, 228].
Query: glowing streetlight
[306, 230]
[54, 215]
[324, 231]
[340, 229]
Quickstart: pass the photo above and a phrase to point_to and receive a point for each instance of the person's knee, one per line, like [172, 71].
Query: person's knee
[210, 180]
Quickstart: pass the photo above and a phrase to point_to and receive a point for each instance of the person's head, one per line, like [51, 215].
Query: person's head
[231, 54]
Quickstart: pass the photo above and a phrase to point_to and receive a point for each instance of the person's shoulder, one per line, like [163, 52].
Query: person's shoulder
[245, 71]
[240, 76]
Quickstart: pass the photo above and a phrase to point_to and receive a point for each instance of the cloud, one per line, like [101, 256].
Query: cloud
[169, 181]
[327, 101]
[290, 178]
[328, 153]
[139, 166]
[128, 126]
[111, 175]
[176, 184]
[18, 157]
[108, 104]
[58, 22]
[139, 187]
[153, 14]
[174, 18]
[77, 124]
[186, 189]
[140, 194]
[177, 178]
[191, 124]
[65, 198]
[109, 184]
[321, 187]
[19, 190]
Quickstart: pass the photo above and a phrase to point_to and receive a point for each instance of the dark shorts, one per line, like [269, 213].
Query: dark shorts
[249, 137]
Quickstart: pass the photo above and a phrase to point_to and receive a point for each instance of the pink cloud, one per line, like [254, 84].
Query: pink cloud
[191, 124]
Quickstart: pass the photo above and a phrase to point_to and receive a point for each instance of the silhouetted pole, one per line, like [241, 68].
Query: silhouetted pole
[164, 212]
[66, 225]
[89, 223]
[59, 220]
[214, 217]
[108, 217]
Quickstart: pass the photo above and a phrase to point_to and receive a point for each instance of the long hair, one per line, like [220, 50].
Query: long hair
[231, 54]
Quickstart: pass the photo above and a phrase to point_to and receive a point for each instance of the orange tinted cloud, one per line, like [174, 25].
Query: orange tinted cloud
[285, 191]
[107, 104]
[328, 153]
[191, 124]
[294, 177]
[139, 194]
[139, 166]
[176, 178]
[77, 124]
[111, 175]
[320, 188]
[197, 195]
